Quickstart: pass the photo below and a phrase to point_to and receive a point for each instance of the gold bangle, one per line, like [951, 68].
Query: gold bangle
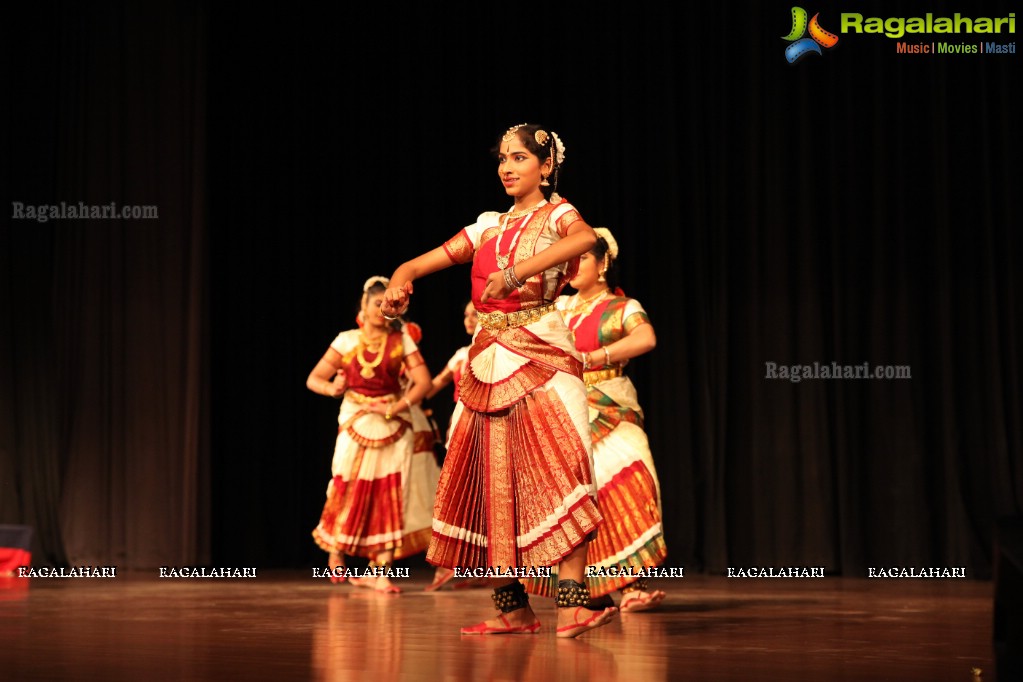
[607, 356]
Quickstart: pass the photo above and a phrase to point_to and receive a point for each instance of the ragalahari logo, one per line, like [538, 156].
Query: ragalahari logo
[802, 46]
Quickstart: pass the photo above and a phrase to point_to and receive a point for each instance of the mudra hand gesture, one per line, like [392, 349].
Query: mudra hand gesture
[337, 386]
[396, 300]
[497, 287]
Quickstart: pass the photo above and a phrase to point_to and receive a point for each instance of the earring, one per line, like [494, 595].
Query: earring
[544, 183]
[602, 279]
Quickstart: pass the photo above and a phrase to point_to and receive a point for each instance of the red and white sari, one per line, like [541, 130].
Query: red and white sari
[381, 493]
[631, 538]
[517, 487]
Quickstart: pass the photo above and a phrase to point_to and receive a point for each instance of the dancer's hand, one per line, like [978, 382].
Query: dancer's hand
[336, 387]
[496, 287]
[396, 300]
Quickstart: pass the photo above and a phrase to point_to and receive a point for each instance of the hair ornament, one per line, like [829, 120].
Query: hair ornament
[559, 148]
[509, 135]
[612, 245]
[375, 279]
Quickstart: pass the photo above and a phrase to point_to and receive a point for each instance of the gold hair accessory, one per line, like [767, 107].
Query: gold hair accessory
[558, 158]
[509, 135]
[541, 137]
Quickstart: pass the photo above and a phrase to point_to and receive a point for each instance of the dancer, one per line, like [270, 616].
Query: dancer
[374, 506]
[517, 488]
[610, 329]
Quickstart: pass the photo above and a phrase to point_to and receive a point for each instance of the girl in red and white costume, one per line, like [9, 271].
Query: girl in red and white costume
[517, 487]
[380, 494]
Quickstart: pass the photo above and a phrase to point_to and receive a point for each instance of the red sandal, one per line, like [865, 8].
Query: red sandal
[441, 579]
[508, 629]
[595, 621]
[642, 603]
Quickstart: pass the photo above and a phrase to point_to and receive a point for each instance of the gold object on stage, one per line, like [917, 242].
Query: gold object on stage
[517, 318]
[509, 135]
[502, 258]
[582, 308]
[368, 366]
[362, 399]
[597, 375]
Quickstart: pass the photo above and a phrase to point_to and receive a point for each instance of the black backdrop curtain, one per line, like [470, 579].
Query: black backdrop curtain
[106, 445]
[855, 207]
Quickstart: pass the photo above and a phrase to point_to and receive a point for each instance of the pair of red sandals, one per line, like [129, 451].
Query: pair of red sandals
[631, 603]
[595, 620]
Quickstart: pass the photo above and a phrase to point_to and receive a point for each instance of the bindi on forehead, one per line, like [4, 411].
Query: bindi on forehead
[515, 147]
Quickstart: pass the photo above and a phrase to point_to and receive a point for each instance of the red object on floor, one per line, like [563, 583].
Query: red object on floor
[15, 548]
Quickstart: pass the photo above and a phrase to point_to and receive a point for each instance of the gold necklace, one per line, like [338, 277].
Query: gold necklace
[512, 215]
[582, 308]
[502, 258]
[378, 348]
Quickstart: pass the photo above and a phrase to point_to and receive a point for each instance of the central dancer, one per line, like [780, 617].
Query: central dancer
[517, 489]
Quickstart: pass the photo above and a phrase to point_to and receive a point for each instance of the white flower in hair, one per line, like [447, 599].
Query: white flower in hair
[612, 245]
[560, 157]
[375, 279]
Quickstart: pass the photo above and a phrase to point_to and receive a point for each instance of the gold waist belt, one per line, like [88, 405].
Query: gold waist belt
[499, 320]
[595, 376]
[361, 399]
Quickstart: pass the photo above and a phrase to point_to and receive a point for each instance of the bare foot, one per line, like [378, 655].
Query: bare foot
[335, 561]
[380, 584]
[574, 621]
[384, 584]
[518, 622]
[638, 600]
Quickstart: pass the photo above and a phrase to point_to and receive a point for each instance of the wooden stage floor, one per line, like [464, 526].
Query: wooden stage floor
[285, 625]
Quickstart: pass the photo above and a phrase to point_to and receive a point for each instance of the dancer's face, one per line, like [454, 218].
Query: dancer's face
[470, 319]
[589, 271]
[519, 169]
[372, 315]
